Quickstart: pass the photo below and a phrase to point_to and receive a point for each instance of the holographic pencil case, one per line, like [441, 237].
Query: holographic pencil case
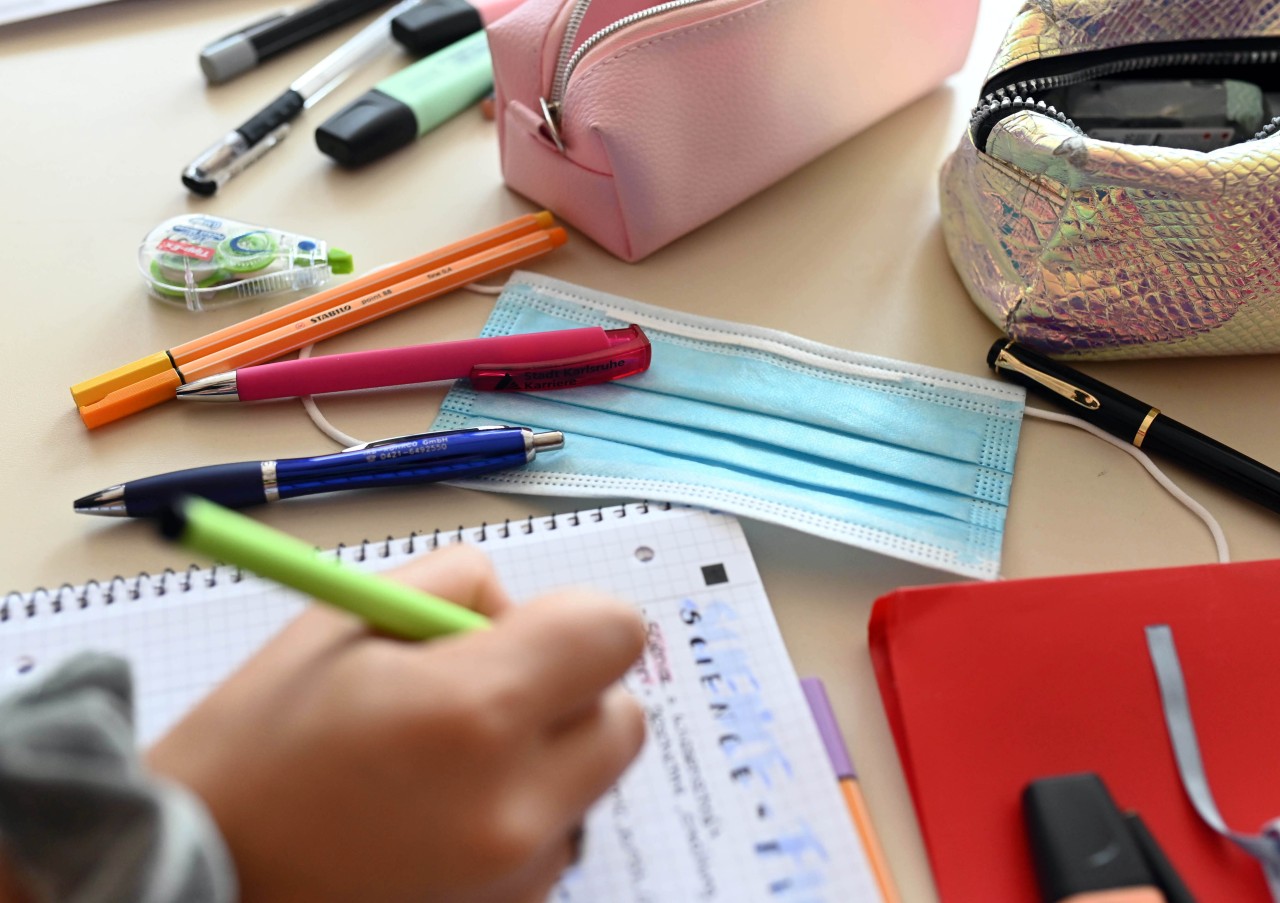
[1115, 193]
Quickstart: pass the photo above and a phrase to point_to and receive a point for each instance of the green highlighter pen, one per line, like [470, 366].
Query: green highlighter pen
[388, 606]
[407, 105]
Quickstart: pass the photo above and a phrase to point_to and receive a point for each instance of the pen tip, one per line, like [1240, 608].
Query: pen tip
[107, 502]
[203, 187]
[219, 387]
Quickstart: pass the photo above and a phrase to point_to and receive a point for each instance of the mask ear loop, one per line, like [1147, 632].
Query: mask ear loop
[1215, 529]
[313, 410]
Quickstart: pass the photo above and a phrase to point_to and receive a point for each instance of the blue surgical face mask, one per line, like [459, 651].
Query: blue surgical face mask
[910, 461]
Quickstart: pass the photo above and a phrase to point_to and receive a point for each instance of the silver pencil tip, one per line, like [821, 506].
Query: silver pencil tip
[219, 387]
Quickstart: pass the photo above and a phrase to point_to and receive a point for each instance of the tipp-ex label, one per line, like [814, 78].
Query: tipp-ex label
[185, 249]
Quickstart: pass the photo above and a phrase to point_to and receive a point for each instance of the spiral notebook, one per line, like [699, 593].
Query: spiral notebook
[733, 797]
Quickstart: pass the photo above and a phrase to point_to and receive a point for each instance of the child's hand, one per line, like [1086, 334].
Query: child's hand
[346, 766]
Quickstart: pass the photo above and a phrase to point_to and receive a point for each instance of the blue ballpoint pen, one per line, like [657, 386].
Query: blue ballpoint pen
[402, 461]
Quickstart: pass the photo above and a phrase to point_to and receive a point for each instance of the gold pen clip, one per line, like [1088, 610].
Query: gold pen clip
[1052, 383]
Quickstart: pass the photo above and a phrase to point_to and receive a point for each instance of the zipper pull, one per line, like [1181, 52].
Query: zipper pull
[551, 116]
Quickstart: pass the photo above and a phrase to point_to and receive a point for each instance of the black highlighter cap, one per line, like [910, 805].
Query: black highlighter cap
[435, 25]
[372, 126]
[171, 518]
[1079, 839]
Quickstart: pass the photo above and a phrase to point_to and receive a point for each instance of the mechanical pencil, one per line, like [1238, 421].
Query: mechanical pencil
[402, 461]
[391, 607]
[561, 359]
[825, 717]
[1136, 422]
[163, 386]
[97, 388]
[265, 129]
[403, 107]
[245, 48]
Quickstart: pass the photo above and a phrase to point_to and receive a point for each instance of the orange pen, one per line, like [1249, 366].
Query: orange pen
[322, 324]
[816, 695]
[99, 387]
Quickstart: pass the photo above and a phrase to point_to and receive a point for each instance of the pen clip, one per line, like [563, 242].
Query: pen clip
[628, 353]
[1006, 360]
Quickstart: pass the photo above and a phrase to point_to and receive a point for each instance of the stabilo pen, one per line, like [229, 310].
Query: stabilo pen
[321, 325]
[99, 387]
[824, 716]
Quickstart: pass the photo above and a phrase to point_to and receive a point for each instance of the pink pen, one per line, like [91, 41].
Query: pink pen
[520, 363]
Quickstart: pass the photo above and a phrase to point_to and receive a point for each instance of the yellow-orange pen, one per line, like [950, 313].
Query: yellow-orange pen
[165, 362]
[816, 695]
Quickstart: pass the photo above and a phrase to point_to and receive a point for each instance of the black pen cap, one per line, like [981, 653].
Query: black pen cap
[1079, 839]
[1100, 404]
[435, 25]
[371, 126]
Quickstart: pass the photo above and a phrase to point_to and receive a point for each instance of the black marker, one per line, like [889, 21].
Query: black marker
[438, 23]
[244, 49]
[1087, 851]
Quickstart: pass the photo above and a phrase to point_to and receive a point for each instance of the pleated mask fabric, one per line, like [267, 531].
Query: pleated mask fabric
[911, 461]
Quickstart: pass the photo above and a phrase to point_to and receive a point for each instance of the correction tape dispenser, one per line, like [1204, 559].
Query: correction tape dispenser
[202, 261]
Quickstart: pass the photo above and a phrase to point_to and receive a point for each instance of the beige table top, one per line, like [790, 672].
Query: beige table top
[103, 107]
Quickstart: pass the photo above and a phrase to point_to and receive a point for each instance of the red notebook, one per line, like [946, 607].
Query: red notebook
[990, 685]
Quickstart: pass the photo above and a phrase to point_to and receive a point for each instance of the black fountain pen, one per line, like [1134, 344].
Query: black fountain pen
[1136, 422]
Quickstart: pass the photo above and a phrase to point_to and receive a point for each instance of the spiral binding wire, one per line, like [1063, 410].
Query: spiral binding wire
[119, 589]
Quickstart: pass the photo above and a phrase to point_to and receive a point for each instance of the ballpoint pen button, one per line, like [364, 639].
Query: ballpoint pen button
[548, 441]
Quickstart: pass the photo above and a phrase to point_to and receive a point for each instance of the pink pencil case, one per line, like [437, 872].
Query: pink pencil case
[637, 123]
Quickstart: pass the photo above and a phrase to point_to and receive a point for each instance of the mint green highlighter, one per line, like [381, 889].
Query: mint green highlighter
[407, 105]
[391, 607]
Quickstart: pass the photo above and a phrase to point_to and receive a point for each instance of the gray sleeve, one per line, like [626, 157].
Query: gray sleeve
[80, 817]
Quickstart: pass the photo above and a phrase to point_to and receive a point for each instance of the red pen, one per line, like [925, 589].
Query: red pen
[529, 362]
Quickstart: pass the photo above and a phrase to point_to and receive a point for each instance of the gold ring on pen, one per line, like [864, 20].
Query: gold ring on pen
[1146, 425]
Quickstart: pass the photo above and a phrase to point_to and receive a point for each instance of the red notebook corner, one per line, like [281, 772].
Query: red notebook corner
[990, 685]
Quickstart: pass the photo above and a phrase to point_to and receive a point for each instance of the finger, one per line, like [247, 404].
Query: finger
[587, 757]
[559, 652]
[317, 631]
[546, 870]
[534, 881]
[460, 573]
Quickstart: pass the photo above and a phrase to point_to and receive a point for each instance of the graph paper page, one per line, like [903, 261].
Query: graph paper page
[732, 798]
